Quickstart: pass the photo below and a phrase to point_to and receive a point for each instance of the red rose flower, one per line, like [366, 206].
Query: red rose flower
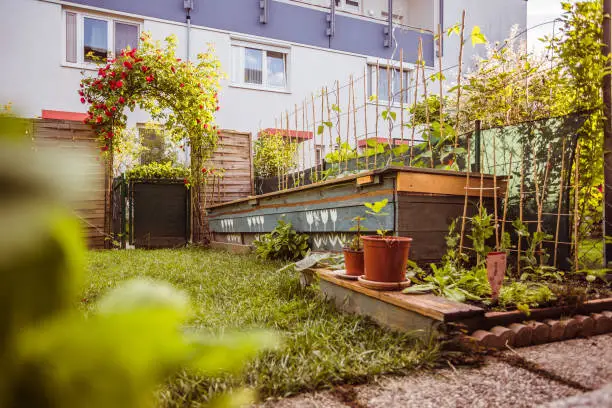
[123, 75]
[108, 113]
[99, 119]
[204, 170]
[121, 99]
[206, 126]
[198, 121]
[113, 74]
[218, 132]
[109, 135]
[82, 100]
[104, 148]
[218, 107]
[86, 120]
[600, 188]
[144, 68]
[149, 78]
[113, 109]
[182, 85]
[173, 69]
[82, 85]
[201, 106]
[127, 64]
[81, 93]
[178, 60]
[119, 84]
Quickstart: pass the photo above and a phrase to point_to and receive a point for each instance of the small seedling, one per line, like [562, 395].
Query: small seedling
[355, 243]
[375, 209]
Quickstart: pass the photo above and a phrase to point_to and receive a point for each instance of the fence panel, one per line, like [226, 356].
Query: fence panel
[77, 138]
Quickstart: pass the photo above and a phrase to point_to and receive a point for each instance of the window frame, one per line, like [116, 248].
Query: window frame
[238, 48]
[371, 70]
[80, 32]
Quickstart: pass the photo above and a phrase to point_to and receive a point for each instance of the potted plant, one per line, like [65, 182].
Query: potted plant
[385, 257]
[353, 251]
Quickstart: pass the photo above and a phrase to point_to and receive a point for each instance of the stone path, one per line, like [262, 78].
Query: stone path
[573, 373]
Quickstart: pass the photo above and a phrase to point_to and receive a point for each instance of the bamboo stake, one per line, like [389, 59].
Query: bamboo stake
[422, 66]
[304, 127]
[331, 137]
[440, 81]
[323, 89]
[495, 193]
[562, 177]
[377, 107]
[280, 170]
[461, 38]
[314, 137]
[576, 198]
[289, 134]
[543, 198]
[481, 175]
[389, 99]
[522, 187]
[402, 95]
[355, 122]
[465, 200]
[416, 96]
[297, 143]
[365, 112]
[348, 125]
[339, 138]
[505, 212]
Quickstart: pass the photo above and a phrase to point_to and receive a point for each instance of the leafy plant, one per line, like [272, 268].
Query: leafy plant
[524, 295]
[273, 154]
[375, 209]
[157, 171]
[534, 258]
[355, 242]
[482, 230]
[283, 243]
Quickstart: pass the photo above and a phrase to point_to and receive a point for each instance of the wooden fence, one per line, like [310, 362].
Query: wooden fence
[233, 155]
[77, 138]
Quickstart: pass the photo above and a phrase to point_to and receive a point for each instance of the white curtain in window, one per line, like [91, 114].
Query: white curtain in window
[71, 40]
[253, 66]
[277, 76]
[125, 35]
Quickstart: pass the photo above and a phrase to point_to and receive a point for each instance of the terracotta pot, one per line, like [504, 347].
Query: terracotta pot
[385, 258]
[353, 262]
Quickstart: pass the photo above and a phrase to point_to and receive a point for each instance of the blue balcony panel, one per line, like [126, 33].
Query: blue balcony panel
[287, 22]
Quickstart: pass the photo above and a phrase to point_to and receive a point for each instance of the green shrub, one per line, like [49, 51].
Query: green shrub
[525, 295]
[157, 171]
[283, 243]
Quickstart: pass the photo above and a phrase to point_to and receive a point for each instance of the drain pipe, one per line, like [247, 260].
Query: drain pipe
[188, 5]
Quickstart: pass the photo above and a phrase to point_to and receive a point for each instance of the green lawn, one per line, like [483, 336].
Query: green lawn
[321, 347]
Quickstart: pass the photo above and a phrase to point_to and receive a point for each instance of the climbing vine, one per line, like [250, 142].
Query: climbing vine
[180, 95]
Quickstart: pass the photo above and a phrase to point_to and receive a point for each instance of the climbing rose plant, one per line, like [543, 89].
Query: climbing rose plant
[180, 95]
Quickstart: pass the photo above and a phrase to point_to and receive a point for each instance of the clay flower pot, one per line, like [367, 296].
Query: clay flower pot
[353, 262]
[385, 258]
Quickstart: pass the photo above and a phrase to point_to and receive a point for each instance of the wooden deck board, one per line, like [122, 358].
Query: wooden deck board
[432, 306]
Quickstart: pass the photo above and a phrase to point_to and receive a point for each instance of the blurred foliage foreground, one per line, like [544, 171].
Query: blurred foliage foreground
[52, 354]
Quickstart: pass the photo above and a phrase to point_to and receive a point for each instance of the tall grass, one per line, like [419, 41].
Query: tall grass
[322, 347]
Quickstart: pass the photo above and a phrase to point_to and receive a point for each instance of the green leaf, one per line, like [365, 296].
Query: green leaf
[320, 129]
[477, 36]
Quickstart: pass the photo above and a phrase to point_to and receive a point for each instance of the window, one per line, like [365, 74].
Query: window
[260, 66]
[91, 38]
[348, 4]
[383, 83]
[154, 146]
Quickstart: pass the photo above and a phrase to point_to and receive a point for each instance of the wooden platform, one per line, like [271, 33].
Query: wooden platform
[422, 314]
[426, 313]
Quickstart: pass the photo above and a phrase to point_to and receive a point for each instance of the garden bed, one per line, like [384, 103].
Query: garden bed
[422, 202]
[430, 314]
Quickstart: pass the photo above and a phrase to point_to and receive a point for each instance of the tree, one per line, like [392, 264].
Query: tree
[181, 95]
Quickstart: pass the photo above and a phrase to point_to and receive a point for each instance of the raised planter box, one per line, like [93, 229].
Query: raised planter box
[422, 203]
[428, 314]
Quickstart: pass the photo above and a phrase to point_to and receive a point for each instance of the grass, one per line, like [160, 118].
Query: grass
[321, 347]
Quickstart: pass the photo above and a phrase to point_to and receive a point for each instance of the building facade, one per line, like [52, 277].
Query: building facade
[276, 53]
